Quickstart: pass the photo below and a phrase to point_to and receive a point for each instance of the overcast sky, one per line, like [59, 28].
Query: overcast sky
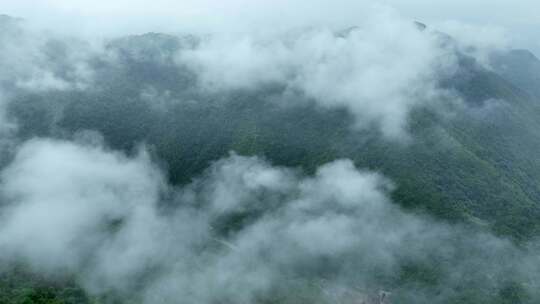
[520, 18]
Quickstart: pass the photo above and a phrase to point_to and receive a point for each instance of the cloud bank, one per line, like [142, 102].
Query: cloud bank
[378, 70]
[244, 231]
[379, 67]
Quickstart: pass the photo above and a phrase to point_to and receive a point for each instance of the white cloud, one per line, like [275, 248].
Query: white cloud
[37, 61]
[63, 195]
[378, 71]
[102, 217]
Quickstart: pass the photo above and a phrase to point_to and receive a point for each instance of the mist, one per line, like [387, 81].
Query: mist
[113, 222]
[209, 152]
[129, 17]
[378, 68]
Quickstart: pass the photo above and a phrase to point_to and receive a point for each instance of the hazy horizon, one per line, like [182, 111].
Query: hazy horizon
[516, 21]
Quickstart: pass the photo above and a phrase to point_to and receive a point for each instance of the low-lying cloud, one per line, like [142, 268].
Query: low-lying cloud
[241, 232]
[36, 61]
[378, 70]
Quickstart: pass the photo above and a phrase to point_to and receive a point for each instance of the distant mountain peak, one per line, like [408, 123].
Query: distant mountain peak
[421, 26]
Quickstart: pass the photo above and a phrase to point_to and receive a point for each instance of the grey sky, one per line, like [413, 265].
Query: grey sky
[520, 17]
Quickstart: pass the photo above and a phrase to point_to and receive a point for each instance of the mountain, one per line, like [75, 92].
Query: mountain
[479, 164]
[473, 162]
[520, 67]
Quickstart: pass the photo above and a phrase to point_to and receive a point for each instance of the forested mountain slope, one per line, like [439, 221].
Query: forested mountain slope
[475, 160]
[467, 158]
